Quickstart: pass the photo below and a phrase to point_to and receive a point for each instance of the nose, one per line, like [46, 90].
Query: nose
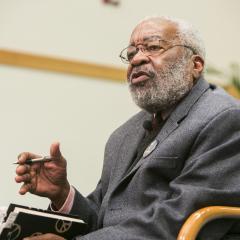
[139, 58]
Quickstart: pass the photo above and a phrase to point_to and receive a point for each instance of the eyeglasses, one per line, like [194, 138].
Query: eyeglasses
[149, 48]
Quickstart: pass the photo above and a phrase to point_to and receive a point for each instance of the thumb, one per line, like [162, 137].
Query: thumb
[55, 150]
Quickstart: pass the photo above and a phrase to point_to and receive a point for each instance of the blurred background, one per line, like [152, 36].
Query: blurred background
[61, 78]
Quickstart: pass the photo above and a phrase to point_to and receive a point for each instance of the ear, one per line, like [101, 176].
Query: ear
[198, 65]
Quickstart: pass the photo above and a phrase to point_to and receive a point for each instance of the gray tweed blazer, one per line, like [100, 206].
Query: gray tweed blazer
[195, 163]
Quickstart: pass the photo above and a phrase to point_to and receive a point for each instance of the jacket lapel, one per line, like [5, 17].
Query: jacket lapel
[129, 146]
[182, 109]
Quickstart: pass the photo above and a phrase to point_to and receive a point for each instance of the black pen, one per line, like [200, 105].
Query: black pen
[37, 160]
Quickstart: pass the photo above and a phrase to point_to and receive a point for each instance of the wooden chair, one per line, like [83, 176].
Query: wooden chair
[198, 219]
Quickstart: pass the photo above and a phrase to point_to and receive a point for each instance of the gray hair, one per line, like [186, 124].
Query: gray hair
[187, 34]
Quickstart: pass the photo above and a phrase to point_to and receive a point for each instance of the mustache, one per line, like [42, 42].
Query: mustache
[142, 70]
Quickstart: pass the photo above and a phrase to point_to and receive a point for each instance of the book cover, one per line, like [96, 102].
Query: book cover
[21, 221]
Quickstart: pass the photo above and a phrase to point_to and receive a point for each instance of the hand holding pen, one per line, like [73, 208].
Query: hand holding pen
[48, 179]
[37, 160]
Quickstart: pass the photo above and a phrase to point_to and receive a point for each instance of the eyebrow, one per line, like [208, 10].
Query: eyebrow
[150, 38]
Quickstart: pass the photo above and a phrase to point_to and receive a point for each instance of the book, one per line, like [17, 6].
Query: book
[21, 221]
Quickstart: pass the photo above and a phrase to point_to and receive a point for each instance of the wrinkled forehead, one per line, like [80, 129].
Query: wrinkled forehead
[150, 29]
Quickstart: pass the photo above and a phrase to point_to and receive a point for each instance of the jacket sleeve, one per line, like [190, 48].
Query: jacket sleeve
[210, 176]
[87, 207]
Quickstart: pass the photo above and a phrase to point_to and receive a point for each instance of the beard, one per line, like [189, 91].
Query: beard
[165, 88]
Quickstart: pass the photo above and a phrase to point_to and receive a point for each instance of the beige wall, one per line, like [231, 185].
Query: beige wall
[89, 30]
[40, 107]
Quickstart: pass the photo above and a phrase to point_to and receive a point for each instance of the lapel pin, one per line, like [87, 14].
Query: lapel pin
[150, 148]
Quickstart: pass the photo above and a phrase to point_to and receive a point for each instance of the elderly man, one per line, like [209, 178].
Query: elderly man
[180, 153]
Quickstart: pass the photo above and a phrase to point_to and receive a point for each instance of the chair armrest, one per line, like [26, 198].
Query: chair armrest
[198, 219]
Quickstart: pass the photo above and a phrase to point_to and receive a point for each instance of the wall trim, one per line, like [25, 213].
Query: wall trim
[47, 63]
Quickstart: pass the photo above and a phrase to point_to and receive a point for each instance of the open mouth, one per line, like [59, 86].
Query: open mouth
[139, 77]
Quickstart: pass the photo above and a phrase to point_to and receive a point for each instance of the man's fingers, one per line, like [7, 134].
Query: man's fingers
[55, 150]
[23, 173]
[47, 236]
[23, 178]
[26, 187]
[56, 154]
[22, 157]
[27, 176]
[22, 169]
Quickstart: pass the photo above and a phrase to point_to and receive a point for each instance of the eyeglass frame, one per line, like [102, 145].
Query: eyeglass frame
[143, 50]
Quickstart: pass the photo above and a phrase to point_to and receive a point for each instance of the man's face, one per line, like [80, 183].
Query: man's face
[159, 81]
